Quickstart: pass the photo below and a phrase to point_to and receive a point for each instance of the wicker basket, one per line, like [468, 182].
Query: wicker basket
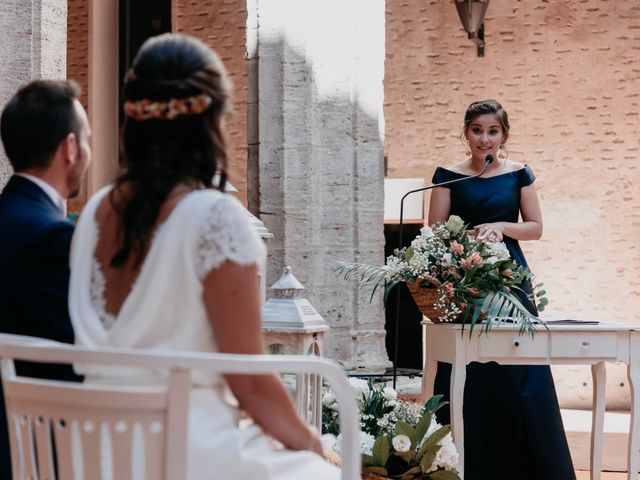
[425, 298]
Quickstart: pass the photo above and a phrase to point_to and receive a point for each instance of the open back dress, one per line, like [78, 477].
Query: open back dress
[165, 310]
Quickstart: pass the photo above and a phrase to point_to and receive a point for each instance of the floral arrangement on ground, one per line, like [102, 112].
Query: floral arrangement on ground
[475, 279]
[398, 439]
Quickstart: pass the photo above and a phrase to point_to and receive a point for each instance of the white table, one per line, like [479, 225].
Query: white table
[560, 344]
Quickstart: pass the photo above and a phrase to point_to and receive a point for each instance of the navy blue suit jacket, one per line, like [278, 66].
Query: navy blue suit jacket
[35, 238]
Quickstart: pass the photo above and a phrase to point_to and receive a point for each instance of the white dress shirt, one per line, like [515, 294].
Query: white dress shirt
[51, 192]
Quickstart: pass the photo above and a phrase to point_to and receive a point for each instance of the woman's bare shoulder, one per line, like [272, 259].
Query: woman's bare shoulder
[462, 167]
[512, 166]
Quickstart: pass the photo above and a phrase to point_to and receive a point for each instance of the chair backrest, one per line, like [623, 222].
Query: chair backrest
[67, 431]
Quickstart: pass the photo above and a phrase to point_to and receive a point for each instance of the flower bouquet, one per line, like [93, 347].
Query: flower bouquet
[455, 276]
[398, 440]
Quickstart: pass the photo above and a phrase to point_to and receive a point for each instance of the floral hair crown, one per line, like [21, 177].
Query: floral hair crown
[146, 109]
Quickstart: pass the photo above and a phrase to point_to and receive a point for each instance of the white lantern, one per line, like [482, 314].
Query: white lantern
[291, 325]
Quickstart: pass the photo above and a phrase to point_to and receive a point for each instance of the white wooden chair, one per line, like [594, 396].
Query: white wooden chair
[70, 429]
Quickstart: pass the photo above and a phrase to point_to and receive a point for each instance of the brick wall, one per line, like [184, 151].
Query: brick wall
[77, 66]
[78, 43]
[221, 24]
[567, 71]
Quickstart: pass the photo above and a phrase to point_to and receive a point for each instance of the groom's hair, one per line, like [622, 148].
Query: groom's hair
[36, 119]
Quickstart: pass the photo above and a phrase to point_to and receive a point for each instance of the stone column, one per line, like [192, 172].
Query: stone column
[320, 157]
[34, 45]
[103, 92]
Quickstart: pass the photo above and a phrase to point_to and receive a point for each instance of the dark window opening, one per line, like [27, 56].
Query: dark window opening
[139, 20]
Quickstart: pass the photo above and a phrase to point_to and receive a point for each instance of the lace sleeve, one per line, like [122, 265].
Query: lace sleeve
[226, 234]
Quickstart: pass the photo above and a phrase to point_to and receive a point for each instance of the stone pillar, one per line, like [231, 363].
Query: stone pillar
[320, 157]
[34, 45]
[103, 92]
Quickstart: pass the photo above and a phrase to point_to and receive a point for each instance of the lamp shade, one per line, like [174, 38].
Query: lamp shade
[471, 13]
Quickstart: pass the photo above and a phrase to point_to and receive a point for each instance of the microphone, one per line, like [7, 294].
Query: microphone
[488, 160]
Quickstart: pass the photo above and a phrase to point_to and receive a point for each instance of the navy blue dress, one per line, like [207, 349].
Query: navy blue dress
[512, 424]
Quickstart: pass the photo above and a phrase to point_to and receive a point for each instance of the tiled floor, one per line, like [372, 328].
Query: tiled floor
[581, 475]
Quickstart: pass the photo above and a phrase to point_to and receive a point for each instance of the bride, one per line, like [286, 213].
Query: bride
[162, 259]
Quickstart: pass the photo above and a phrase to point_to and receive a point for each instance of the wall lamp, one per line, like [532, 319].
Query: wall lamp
[471, 13]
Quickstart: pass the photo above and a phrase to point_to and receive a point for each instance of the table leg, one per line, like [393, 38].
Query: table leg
[458, 378]
[428, 379]
[599, 374]
[428, 369]
[634, 427]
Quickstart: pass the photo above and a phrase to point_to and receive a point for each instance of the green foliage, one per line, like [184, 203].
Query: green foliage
[477, 281]
[407, 445]
[381, 450]
[417, 461]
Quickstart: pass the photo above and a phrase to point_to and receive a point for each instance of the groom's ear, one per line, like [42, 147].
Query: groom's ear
[68, 148]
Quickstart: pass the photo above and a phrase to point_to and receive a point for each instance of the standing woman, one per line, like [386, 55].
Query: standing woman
[513, 428]
[163, 260]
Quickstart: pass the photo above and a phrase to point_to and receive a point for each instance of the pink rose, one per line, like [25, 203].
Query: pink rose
[456, 248]
[506, 273]
[449, 290]
[476, 259]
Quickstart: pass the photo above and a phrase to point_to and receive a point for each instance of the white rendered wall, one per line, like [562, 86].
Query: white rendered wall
[33, 44]
[320, 157]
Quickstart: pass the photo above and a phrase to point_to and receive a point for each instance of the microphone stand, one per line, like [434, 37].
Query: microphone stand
[396, 322]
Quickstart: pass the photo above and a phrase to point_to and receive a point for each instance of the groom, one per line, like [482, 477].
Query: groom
[46, 136]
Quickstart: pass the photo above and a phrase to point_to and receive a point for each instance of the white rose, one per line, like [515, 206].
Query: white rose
[447, 457]
[361, 388]
[454, 224]
[389, 394]
[426, 232]
[366, 443]
[401, 443]
[328, 399]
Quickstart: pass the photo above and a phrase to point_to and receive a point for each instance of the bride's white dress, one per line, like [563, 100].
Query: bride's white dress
[165, 311]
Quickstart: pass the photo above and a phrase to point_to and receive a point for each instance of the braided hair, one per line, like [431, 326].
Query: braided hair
[160, 153]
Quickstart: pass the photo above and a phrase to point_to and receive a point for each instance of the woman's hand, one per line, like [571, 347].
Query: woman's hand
[493, 232]
[232, 297]
[315, 445]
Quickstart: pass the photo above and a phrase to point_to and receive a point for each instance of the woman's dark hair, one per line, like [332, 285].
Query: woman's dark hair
[36, 119]
[160, 153]
[484, 107]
